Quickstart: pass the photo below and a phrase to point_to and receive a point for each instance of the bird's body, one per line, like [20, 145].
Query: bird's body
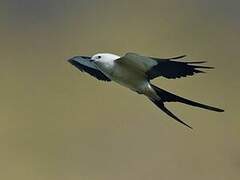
[135, 72]
[126, 76]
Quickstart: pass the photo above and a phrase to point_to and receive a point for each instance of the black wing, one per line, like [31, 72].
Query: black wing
[84, 64]
[175, 69]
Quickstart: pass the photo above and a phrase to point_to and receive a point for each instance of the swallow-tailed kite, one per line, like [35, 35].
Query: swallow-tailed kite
[136, 71]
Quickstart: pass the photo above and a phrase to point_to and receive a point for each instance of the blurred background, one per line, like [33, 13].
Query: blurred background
[57, 123]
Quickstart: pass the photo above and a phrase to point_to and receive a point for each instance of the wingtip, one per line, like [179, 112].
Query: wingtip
[202, 67]
[70, 61]
[179, 57]
[197, 62]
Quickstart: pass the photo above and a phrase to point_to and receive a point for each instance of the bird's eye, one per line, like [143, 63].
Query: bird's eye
[99, 57]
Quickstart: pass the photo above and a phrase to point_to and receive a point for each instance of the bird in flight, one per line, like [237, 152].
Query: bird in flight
[135, 72]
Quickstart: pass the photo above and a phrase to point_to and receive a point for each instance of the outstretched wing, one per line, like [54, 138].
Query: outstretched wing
[136, 61]
[172, 69]
[84, 64]
[168, 68]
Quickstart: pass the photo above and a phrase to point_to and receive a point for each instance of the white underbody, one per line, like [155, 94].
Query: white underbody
[127, 76]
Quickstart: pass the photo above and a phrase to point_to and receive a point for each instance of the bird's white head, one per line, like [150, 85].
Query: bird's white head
[104, 58]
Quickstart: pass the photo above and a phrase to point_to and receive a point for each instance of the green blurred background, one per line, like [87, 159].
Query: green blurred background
[57, 123]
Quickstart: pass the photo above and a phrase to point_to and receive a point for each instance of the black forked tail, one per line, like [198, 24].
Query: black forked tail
[169, 97]
[160, 104]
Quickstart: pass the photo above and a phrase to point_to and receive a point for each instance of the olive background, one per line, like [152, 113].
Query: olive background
[57, 123]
